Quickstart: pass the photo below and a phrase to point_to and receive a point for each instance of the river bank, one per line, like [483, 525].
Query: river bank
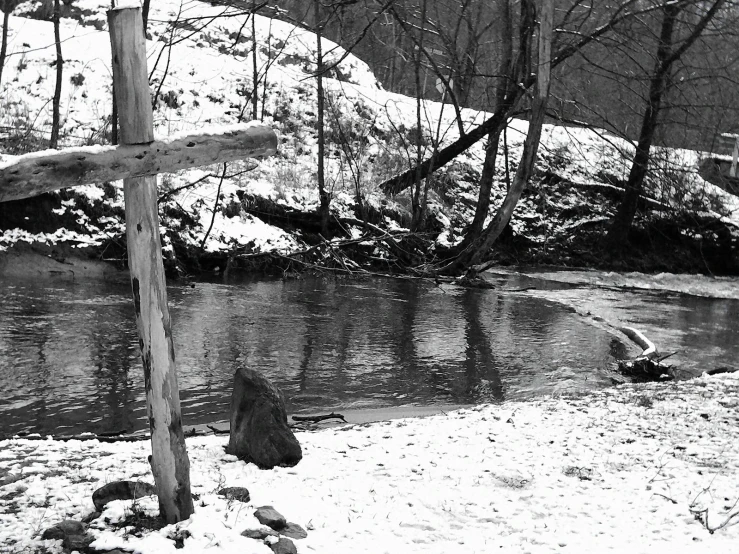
[637, 468]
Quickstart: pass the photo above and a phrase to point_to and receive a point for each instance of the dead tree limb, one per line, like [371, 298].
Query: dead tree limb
[649, 350]
[317, 418]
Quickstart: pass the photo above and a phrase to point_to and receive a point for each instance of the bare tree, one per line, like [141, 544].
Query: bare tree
[669, 50]
[323, 195]
[471, 256]
[55, 123]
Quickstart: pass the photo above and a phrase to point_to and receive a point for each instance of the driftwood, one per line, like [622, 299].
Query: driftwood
[317, 418]
[649, 350]
[648, 366]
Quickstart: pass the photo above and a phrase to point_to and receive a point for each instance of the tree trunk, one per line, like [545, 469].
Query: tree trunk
[400, 182]
[169, 462]
[474, 255]
[54, 140]
[502, 96]
[618, 234]
[145, 14]
[619, 231]
[4, 48]
[322, 193]
[417, 207]
[255, 74]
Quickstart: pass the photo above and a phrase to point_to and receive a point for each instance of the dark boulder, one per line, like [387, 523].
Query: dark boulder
[267, 515]
[259, 430]
[121, 490]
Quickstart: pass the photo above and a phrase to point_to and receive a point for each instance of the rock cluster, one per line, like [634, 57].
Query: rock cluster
[277, 531]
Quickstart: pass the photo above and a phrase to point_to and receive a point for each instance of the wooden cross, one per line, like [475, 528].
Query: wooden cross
[137, 161]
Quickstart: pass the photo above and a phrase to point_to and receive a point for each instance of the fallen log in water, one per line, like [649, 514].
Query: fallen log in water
[649, 350]
[648, 366]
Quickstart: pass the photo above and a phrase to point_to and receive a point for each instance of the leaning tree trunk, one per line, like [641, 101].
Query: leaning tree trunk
[54, 140]
[474, 255]
[618, 234]
[619, 231]
[505, 100]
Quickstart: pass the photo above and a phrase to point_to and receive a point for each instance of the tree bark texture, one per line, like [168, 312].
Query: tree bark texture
[34, 174]
[170, 464]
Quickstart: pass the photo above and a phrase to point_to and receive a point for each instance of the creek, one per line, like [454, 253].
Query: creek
[69, 359]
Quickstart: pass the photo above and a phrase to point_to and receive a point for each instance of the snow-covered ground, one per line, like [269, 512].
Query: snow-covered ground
[622, 470]
[206, 79]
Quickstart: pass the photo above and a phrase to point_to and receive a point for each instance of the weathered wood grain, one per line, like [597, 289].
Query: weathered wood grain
[51, 170]
[169, 462]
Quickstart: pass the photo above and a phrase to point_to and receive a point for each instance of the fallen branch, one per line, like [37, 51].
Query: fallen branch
[317, 418]
[217, 431]
[648, 366]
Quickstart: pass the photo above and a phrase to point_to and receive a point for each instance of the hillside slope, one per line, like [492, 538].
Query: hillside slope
[201, 68]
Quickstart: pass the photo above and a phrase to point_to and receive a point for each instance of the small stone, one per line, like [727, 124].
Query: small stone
[72, 533]
[270, 517]
[284, 546]
[121, 490]
[63, 529]
[77, 542]
[259, 534]
[236, 493]
[294, 531]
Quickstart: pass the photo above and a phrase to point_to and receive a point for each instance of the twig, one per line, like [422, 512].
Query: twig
[215, 207]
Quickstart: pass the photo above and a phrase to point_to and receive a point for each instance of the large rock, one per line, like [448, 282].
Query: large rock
[259, 429]
[121, 490]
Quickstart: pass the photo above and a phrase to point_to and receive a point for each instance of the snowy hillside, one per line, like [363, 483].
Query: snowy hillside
[201, 68]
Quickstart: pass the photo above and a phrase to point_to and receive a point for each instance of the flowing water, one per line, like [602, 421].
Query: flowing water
[69, 359]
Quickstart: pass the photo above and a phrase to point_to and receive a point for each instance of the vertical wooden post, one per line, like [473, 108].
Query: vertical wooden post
[169, 461]
[735, 155]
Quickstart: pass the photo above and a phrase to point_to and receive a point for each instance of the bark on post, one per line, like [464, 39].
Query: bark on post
[169, 462]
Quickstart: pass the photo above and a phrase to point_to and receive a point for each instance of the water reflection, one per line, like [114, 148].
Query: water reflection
[69, 353]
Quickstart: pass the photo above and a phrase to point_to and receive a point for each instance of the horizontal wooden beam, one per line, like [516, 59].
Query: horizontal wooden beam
[49, 170]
